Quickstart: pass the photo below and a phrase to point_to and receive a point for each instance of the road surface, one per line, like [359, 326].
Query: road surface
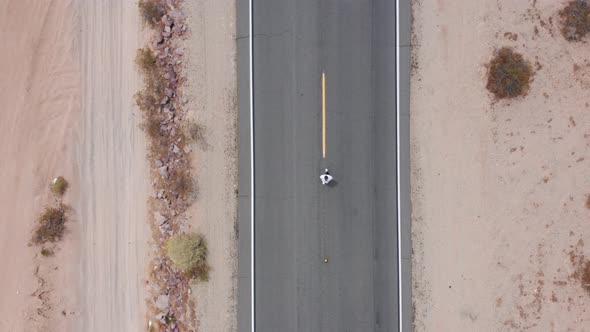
[298, 221]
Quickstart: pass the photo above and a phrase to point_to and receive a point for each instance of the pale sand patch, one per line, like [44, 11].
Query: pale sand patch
[39, 77]
[211, 88]
[498, 190]
[113, 169]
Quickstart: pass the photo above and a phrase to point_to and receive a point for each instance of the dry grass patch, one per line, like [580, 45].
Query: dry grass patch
[575, 20]
[188, 253]
[146, 61]
[50, 225]
[151, 11]
[509, 75]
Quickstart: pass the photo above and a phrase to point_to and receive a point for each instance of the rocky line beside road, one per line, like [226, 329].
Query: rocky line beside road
[165, 124]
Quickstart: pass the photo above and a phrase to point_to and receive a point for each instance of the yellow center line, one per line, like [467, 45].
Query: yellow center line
[323, 115]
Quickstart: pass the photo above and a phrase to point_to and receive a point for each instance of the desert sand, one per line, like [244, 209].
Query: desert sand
[67, 81]
[39, 75]
[499, 188]
[212, 89]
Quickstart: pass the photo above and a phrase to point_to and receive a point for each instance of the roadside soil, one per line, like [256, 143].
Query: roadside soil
[499, 188]
[211, 88]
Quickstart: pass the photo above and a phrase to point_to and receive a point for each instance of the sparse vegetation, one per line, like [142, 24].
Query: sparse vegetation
[46, 252]
[183, 185]
[146, 61]
[59, 186]
[509, 74]
[51, 225]
[151, 11]
[196, 132]
[188, 253]
[575, 20]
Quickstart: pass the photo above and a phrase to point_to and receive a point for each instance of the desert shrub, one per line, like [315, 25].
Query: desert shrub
[151, 11]
[47, 252]
[509, 74]
[146, 61]
[575, 20]
[188, 253]
[59, 186]
[50, 225]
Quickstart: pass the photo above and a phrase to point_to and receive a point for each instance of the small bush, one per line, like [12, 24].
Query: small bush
[188, 253]
[59, 186]
[47, 252]
[51, 225]
[509, 74]
[146, 61]
[575, 20]
[151, 11]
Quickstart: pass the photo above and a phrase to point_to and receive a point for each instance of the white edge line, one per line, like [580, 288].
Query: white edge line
[252, 257]
[399, 207]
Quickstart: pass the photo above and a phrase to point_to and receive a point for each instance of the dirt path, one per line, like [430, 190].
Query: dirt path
[212, 88]
[499, 190]
[113, 170]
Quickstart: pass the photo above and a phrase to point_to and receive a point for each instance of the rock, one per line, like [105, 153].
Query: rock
[179, 52]
[165, 100]
[187, 149]
[160, 219]
[175, 148]
[168, 92]
[159, 163]
[163, 172]
[167, 30]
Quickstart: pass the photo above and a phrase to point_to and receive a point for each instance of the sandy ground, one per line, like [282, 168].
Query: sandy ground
[39, 77]
[113, 169]
[498, 189]
[211, 73]
[67, 80]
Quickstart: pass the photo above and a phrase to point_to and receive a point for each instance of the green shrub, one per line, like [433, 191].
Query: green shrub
[59, 186]
[51, 225]
[509, 74]
[188, 253]
[575, 20]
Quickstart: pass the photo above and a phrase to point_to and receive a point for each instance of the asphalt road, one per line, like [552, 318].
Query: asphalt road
[298, 221]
